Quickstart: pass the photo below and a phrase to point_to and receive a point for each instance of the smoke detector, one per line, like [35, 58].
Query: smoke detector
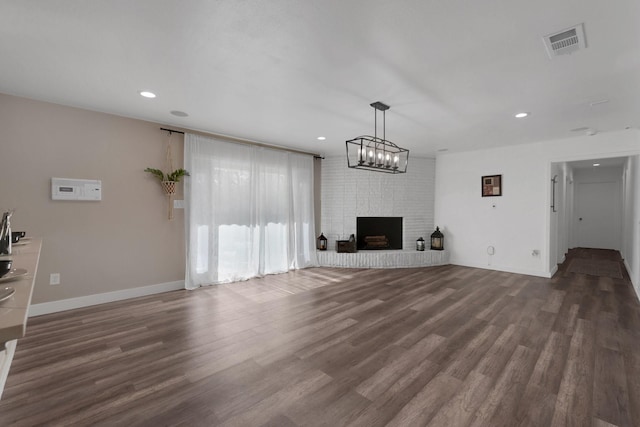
[566, 41]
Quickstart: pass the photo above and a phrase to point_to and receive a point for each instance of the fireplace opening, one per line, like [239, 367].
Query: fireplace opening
[379, 232]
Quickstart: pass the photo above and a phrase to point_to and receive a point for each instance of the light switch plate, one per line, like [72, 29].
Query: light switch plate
[178, 204]
[54, 279]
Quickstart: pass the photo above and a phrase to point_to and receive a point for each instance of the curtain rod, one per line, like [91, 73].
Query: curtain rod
[182, 131]
[172, 131]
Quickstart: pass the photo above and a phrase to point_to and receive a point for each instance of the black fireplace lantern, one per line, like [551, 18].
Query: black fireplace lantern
[420, 244]
[321, 243]
[437, 240]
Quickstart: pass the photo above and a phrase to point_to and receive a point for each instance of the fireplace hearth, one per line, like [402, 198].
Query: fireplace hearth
[379, 233]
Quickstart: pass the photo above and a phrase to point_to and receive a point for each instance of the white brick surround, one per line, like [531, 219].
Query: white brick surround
[349, 193]
[383, 259]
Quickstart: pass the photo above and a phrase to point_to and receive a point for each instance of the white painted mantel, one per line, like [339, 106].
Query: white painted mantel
[383, 259]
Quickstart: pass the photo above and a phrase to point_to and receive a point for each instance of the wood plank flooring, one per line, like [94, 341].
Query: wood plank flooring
[441, 346]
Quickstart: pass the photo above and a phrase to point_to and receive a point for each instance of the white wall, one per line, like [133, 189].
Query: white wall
[349, 193]
[520, 221]
[555, 251]
[560, 214]
[568, 218]
[560, 220]
[631, 219]
[564, 210]
[634, 254]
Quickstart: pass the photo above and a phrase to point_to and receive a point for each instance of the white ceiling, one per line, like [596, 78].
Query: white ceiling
[287, 71]
[612, 162]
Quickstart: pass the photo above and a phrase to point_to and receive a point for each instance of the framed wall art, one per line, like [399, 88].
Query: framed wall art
[491, 185]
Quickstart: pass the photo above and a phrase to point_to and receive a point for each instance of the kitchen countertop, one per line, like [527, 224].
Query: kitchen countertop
[15, 310]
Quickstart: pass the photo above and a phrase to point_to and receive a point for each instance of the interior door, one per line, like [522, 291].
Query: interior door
[598, 207]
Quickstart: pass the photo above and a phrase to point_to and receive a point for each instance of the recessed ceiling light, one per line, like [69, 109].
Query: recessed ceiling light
[147, 94]
[521, 115]
[321, 138]
[178, 113]
[596, 164]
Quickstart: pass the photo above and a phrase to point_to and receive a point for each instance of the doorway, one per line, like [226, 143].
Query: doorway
[597, 201]
[580, 189]
[597, 215]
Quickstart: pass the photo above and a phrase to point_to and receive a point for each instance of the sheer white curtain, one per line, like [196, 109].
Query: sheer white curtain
[249, 211]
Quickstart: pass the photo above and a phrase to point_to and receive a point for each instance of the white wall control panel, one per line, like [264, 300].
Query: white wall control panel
[76, 189]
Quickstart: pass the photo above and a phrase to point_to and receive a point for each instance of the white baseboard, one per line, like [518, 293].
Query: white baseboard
[635, 286]
[508, 269]
[89, 300]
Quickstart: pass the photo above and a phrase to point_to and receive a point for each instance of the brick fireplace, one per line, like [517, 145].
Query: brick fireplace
[347, 194]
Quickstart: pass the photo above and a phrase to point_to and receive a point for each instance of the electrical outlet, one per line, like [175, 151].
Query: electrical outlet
[54, 279]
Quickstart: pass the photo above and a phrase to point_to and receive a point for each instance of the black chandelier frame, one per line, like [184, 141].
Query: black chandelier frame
[377, 154]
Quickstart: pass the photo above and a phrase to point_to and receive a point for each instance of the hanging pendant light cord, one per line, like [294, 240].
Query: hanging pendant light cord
[384, 125]
[375, 123]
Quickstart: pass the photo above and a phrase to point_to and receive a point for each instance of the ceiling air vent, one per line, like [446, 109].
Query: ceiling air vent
[565, 41]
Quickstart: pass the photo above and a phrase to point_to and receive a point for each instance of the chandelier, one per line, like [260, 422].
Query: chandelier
[377, 154]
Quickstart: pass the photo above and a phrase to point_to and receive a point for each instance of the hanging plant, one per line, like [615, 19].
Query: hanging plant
[174, 176]
[156, 172]
[168, 181]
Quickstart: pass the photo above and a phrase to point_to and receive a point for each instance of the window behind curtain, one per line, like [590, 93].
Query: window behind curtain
[249, 211]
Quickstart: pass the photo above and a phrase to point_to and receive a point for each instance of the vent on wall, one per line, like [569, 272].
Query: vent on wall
[566, 41]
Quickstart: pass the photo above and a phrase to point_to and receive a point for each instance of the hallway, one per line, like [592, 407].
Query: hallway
[595, 262]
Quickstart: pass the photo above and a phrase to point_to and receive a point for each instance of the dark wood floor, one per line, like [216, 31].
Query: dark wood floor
[443, 346]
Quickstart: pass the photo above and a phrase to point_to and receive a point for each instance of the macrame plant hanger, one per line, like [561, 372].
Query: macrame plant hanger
[169, 187]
